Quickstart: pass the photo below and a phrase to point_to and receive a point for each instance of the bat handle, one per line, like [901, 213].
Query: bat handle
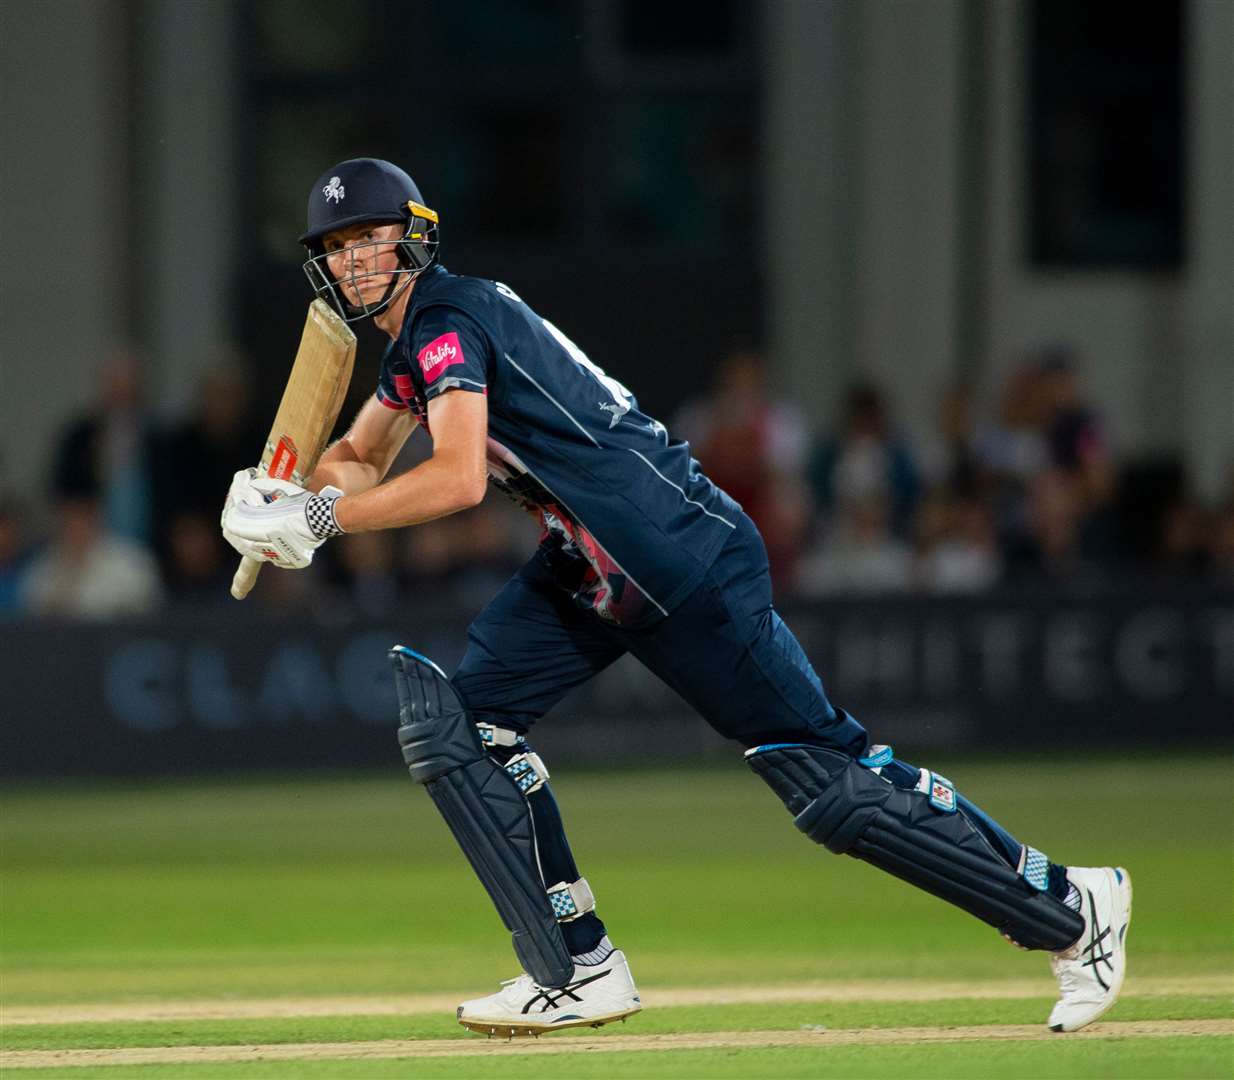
[246, 577]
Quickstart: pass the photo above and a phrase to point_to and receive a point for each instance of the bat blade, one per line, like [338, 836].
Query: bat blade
[311, 403]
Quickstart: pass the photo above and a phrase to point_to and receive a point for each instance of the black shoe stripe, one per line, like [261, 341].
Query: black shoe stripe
[552, 997]
[1096, 944]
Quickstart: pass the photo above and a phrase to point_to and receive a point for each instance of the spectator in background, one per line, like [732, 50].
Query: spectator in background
[1221, 547]
[203, 447]
[1220, 554]
[467, 554]
[958, 545]
[493, 541]
[949, 457]
[1012, 450]
[1183, 537]
[1053, 544]
[1074, 432]
[865, 465]
[860, 555]
[16, 555]
[428, 555]
[108, 455]
[87, 572]
[367, 565]
[1015, 446]
[754, 446]
[196, 567]
[1077, 444]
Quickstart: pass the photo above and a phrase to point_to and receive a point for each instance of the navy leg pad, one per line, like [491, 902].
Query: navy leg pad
[849, 809]
[484, 808]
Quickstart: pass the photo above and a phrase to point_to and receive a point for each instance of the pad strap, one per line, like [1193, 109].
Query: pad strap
[571, 900]
[491, 735]
[938, 789]
[527, 771]
[876, 757]
[1034, 868]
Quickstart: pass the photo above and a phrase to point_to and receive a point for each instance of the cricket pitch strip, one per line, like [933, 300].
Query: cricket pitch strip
[425, 1048]
[614, 1040]
[669, 997]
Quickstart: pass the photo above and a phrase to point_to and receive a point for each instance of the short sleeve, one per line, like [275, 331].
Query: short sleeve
[453, 353]
[387, 390]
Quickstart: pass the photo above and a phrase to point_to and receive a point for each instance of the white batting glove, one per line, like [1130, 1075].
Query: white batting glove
[241, 487]
[275, 521]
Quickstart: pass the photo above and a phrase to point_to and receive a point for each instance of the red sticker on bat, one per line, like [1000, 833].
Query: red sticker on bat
[283, 463]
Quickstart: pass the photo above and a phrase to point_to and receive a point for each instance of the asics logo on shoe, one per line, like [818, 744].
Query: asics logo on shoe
[1096, 951]
[552, 998]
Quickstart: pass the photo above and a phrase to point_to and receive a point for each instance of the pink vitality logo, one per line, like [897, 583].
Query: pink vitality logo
[439, 354]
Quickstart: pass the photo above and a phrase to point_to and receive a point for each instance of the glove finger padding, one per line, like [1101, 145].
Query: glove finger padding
[269, 551]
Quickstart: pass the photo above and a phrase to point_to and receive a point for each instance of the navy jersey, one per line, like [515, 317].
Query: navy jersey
[630, 522]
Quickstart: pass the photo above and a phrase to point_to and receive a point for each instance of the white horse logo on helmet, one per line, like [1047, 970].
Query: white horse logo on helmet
[334, 190]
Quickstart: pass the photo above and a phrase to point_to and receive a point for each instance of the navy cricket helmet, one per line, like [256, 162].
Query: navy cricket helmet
[367, 190]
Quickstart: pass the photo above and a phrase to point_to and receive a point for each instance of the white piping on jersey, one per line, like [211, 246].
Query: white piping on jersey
[451, 382]
[514, 459]
[687, 498]
[564, 411]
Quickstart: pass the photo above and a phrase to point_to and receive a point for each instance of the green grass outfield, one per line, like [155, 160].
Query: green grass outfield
[336, 913]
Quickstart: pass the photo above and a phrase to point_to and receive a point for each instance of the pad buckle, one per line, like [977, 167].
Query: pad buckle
[1034, 868]
[527, 771]
[571, 900]
[939, 790]
[490, 735]
[876, 757]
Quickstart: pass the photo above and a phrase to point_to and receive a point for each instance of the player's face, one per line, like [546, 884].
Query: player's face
[362, 259]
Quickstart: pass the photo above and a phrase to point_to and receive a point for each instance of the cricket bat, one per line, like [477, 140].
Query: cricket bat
[306, 416]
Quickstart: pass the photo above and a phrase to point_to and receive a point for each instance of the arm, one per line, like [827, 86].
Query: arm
[361, 458]
[453, 479]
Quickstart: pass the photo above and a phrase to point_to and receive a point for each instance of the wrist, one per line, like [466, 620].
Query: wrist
[342, 508]
[322, 516]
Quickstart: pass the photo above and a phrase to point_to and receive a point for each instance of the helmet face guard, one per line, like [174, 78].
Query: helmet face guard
[416, 251]
[367, 191]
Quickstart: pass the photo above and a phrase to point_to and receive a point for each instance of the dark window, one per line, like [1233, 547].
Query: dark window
[655, 28]
[1105, 135]
[580, 149]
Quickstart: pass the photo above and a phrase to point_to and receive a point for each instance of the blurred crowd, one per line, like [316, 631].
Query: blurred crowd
[1027, 489]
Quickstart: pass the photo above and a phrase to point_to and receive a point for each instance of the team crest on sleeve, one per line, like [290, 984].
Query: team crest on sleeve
[439, 354]
[334, 190]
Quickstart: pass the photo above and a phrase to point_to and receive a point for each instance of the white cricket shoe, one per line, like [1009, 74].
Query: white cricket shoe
[1090, 973]
[597, 994]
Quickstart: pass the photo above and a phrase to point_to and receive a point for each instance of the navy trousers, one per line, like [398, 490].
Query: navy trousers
[725, 650]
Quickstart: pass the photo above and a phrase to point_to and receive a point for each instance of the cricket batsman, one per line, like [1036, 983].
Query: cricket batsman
[640, 553]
